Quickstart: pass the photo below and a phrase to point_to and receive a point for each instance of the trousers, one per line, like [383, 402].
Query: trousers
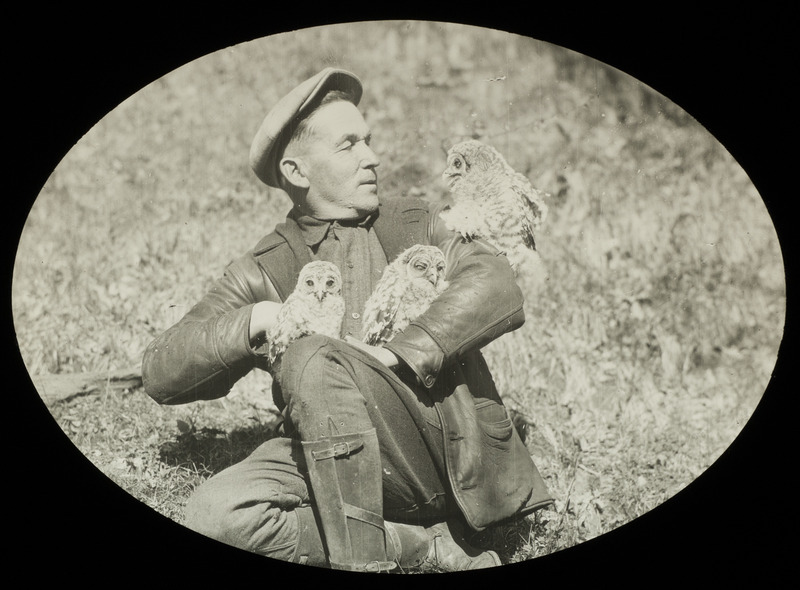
[263, 504]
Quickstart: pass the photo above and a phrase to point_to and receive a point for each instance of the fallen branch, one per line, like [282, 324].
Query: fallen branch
[63, 386]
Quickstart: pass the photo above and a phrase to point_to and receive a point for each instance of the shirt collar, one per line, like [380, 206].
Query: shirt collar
[315, 230]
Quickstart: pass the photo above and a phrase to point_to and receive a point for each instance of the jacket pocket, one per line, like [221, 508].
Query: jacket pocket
[494, 420]
[498, 430]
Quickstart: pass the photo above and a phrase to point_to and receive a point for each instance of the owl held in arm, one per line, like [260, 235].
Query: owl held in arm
[315, 306]
[494, 202]
[406, 289]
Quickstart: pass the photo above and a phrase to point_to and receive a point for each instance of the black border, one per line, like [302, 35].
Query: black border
[731, 71]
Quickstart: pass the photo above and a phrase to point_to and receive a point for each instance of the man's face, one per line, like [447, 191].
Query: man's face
[339, 164]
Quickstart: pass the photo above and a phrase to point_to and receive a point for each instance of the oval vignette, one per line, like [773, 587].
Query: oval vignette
[645, 353]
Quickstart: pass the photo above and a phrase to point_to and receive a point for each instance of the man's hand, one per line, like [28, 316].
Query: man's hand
[387, 357]
[262, 318]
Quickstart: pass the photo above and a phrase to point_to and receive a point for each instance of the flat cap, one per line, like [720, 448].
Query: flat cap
[273, 134]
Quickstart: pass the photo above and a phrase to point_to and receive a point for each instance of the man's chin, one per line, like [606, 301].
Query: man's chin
[367, 202]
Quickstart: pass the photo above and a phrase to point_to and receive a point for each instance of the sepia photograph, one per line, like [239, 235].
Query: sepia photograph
[401, 296]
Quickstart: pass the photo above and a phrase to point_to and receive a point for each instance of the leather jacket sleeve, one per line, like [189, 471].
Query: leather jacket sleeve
[482, 302]
[208, 350]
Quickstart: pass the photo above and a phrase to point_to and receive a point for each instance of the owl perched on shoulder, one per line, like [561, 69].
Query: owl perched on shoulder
[405, 290]
[315, 306]
[493, 202]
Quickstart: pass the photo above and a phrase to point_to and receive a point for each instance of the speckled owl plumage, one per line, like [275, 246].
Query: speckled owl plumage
[315, 306]
[494, 202]
[405, 290]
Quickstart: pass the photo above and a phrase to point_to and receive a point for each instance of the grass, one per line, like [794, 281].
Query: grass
[644, 354]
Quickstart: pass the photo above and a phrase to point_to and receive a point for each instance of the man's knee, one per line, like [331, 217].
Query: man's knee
[206, 512]
[304, 360]
[300, 352]
[320, 384]
[265, 527]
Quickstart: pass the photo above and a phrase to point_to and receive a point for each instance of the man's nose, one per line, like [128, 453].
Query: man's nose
[368, 158]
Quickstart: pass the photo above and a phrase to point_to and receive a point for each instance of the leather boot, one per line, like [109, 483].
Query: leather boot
[442, 546]
[451, 552]
[410, 544]
[345, 477]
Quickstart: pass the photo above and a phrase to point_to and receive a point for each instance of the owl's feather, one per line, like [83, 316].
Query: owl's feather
[315, 306]
[494, 202]
[405, 291]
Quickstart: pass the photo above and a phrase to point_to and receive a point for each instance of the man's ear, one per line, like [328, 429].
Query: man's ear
[292, 169]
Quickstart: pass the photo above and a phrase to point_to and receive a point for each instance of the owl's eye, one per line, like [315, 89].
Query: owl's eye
[440, 268]
[421, 266]
[310, 283]
[329, 283]
[457, 163]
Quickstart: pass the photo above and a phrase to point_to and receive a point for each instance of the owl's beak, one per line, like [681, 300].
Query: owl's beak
[432, 276]
[450, 177]
[320, 294]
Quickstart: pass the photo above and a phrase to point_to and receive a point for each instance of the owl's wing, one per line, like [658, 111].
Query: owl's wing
[532, 206]
[293, 321]
[379, 326]
[381, 309]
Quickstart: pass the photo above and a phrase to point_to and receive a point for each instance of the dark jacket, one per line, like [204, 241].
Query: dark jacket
[489, 468]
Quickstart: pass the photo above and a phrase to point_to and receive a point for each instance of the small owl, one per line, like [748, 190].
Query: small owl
[315, 306]
[405, 290]
[493, 202]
